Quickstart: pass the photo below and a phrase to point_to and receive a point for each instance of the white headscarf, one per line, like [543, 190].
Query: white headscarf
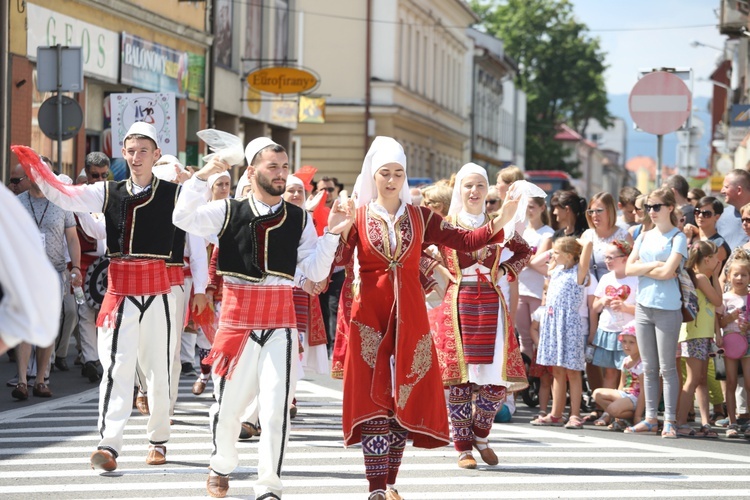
[384, 150]
[212, 180]
[293, 180]
[457, 202]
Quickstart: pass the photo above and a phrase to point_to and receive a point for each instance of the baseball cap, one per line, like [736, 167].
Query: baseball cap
[144, 129]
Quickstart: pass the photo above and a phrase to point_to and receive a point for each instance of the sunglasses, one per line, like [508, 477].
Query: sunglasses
[656, 207]
[594, 211]
[97, 175]
[17, 180]
[329, 189]
[491, 202]
[745, 220]
[703, 213]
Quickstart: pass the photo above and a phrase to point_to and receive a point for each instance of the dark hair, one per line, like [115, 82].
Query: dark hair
[96, 159]
[628, 195]
[697, 193]
[570, 199]
[276, 148]
[716, 204]
[679, 184]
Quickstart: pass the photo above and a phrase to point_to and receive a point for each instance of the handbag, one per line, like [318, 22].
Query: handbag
[687, 292]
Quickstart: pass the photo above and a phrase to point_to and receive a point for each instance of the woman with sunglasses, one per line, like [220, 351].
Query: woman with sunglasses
[643, 221]
[603, 230]
[707, 213]
[655, 260]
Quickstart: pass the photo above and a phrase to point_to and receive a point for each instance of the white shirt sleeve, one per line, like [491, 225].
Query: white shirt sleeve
[193, 214]
[198, 262]
[85, 198]
[315, 255]
[95, 227]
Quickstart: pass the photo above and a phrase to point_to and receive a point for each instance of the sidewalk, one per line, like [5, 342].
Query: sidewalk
[61, 383]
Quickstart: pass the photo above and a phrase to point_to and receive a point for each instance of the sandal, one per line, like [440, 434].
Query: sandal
[618, 425]
[593, 417]
[575, 422]
[733, 431]
[549, 420]
[603, 420]
[644, 426]
[482, 444]
[683, 430]
[707, 432]
[716, 416]
[669, 431]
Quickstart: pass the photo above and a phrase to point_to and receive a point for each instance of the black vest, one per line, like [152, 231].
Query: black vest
[178, 248]
[140, 225]
[253, 246]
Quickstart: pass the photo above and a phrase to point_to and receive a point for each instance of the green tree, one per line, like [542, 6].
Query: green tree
[560, 68]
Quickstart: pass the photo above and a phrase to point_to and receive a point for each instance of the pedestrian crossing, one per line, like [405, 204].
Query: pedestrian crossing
[44, 453]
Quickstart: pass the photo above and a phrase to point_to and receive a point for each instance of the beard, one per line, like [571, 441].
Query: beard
[268, 187]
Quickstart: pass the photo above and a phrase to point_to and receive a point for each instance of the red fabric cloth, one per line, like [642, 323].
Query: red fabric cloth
[309, 317]
[343, 319]
[36, 169]
[245, 308]
[477, 312]
[215, 281]
[176, 275]
[389, 317]
[447, 321]
[128, 278]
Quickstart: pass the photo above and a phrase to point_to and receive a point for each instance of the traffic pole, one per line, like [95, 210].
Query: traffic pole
[59, 109]
[659, 147]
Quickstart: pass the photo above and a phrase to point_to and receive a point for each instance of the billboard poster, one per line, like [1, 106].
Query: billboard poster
[158, 109]
[151, 66]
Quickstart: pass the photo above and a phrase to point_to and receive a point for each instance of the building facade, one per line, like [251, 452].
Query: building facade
[127, 47]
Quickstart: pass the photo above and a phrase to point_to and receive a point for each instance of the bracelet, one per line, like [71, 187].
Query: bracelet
[75, 267]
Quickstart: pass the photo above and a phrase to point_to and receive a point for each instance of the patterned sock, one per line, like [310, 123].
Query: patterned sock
[488, 401]
[396, 451]
[202, 353]
[459, 403]
[375, 445]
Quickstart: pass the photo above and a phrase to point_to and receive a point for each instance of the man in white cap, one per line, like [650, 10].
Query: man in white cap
[134, 323]
[263, 241]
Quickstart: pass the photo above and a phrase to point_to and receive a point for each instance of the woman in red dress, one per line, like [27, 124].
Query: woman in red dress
[473, 331]
[392, 385]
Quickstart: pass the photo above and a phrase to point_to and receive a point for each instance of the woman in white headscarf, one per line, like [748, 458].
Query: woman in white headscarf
[472, 328]
[392, 386]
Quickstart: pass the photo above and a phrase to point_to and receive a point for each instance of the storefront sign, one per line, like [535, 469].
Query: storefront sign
[282, 80]
[157, 109]
[99, 46]
[196, 86]
[275, 111]
[151, 66]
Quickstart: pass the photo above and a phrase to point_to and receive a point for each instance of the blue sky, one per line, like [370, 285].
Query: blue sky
[634, 49]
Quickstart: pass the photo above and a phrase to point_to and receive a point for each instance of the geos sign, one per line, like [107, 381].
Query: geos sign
[283, 80]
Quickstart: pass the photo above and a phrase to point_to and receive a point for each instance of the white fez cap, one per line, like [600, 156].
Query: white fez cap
[142, 128]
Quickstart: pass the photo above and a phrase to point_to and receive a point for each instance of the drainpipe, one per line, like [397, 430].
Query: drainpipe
[211, 68]
[4, 92]
[367, 77]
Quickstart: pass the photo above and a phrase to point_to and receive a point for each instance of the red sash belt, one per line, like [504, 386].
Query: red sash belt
[176, 275]
[128, 278]
[245, 308]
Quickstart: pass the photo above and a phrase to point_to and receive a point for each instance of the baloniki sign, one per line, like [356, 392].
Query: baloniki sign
[283, 80]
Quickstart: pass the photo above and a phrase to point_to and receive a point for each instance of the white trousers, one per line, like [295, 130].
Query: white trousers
[182, 299]
[266, 369]
[87, 332]
[143, 334]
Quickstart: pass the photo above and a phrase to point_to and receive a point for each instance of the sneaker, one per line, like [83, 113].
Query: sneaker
[92, 370]
[723, 422]
[187, 368]
[12, 382]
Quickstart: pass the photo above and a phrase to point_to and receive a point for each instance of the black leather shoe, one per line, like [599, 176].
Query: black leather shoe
[187, 368]
[92, 370]
[61, 364]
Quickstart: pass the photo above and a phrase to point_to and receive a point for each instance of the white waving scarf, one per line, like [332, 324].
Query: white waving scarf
[164, 168]
[384, 150]
[30, 308]
[522, 191]
[457, 202]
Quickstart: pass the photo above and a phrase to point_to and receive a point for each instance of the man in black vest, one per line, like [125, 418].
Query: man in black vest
[135, 321]
[262, 241]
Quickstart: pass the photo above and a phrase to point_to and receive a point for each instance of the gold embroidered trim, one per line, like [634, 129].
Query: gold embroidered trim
[420, 366]
[370, 341]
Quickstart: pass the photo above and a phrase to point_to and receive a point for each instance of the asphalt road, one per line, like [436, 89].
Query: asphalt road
[45, 445]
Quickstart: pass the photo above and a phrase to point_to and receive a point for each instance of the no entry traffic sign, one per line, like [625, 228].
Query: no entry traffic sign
[659, 103]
